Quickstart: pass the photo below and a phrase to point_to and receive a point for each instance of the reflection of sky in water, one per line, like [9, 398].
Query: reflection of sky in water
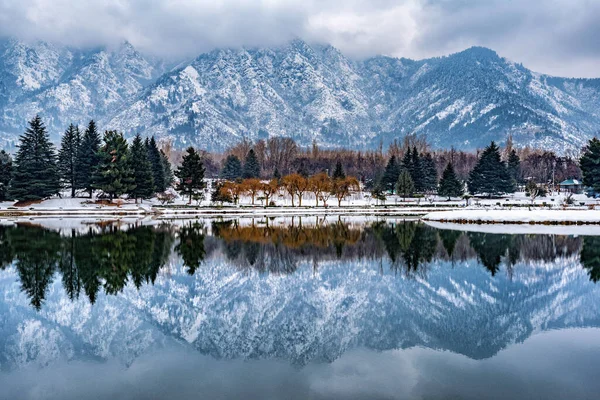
[552, 365]
[506, 317]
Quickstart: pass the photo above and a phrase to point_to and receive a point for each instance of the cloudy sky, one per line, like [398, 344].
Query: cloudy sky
[559, 37]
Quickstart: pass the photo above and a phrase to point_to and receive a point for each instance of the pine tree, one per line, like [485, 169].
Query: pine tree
[87, 158]
[590, 165]
[168, 171]
[390, 175]
[490, 176]
[450, 186]
[251, 166]
[35, 174]
[338, 172]
[514, 166]
[143, 179]
[190, 174]
[232, 169]
[158, 167]
[416, 170]
[405, 186]
[277, 174]
[430, 176]
[67, 158]
[114, 175]
[5, 174]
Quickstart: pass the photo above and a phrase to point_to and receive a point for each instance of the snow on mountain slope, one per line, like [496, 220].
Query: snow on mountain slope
[66, 85]
[301, 317]
[300, 91]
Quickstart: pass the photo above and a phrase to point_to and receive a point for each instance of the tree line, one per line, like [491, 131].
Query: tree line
[86, 162]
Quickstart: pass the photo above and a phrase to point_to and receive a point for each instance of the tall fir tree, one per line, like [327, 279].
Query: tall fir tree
[35, 174]
[168, 170]
[338, 172]
[430, 176]
[514, 166]
[158, 167]
[405, 186]
[277, 174]
[416, 170]
[590, 165]
[6, 170]
[390, 175]
[67, 159]
[88, 158]
[190, 174]
[232, 169]
[143, 177]
[490, 175]
[407, 161]
[251, 166]
[114, 175]
[450, 186]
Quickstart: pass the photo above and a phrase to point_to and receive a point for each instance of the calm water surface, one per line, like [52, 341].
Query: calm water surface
[295, 308]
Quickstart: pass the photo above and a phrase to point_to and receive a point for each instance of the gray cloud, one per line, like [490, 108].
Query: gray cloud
[552, 36]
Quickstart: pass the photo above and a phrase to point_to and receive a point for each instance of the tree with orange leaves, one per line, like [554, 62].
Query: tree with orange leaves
[269, 189]
[295, 185]
[343, 187]
[252, 186]
[232, 190]
[319, 184]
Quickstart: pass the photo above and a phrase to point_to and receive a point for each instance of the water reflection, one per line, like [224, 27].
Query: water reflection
[363, 305]
[108, 256]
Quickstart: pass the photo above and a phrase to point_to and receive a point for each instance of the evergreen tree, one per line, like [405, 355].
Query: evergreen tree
[405, 186]
[277, 174]
[251, 166]
[490, 176]
[67, 158]
[35, 174]
[190, 174]
[430, 177]
[416, 171]
[158, 166]
[590, 165]
[87, 158]
[168, 171]
[302, 170]
[338, 172]
[514, 166]
[191, 246]
[232, 169]
[450, 186]
[143, 179]
[5, 174]
[390, 175]
[219, 195]
[114, 175]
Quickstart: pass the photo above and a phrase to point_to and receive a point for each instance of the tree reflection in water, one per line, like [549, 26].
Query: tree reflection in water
[109, 256]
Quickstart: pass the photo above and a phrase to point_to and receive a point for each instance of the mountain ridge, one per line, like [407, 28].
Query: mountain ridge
[306, 92]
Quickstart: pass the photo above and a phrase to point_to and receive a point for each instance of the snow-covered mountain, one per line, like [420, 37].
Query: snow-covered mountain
[307, 316]
[67, 85]
[300, 91]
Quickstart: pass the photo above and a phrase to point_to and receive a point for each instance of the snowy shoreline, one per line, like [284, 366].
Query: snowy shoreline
[533, 216]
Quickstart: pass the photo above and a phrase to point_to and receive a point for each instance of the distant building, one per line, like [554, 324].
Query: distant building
[571, 186]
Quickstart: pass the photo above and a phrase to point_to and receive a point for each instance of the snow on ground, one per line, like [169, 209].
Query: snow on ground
[522, 216]
[520, 229]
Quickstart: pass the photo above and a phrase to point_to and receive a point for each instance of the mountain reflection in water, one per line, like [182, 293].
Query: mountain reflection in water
[108, 256]
[295, 308]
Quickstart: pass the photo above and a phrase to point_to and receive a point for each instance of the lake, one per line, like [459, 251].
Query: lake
[296, 308]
